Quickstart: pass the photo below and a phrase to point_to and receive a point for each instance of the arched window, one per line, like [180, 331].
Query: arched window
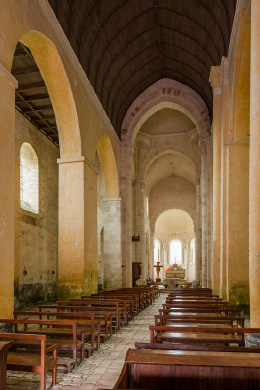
[176, 252]
[192, 251]
[156, 251]
[29, 179]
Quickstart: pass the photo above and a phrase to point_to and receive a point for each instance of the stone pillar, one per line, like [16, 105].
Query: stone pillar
[141, 230]
[77, 250]
[7, 192]
[198, 233]
[204, 221]
[216, 83]
[152, 252]
[126, 196]
[209, 211]
[112, 243]
[254, 169]
[224, 177]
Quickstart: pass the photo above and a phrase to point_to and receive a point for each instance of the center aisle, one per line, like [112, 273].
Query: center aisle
[103, 369]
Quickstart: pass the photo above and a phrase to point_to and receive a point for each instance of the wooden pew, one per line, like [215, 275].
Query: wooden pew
[196, 347]
[100, 315]
[4, 348]
[185, 370]
[117, 308]
[162, 320]
[182, 334]
[198, 310]
[40, 362]
[133, 300]
[84, 320]
[71, 343]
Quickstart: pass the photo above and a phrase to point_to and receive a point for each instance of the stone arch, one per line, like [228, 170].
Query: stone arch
[167, 149]
[58, 85]
[173, 205]
[165, 93]
[107, 159]
[241, 95]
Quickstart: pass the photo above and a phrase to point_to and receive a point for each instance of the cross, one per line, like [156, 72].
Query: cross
[158, 268]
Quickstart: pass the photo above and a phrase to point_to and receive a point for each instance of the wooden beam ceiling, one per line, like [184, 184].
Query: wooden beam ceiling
[31, 97]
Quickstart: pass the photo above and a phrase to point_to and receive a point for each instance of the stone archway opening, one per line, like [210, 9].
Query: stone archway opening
[175, 230]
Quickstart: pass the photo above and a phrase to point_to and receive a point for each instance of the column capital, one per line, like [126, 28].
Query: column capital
[225, 70]
[77, 159]
[215, 78]
[5, 74]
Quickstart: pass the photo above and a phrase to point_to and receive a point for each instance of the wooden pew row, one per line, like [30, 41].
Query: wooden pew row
[196, 370]
[120, 308]
[197, 303]
[196, 347]
[201, 335]
[182, 298]
[74, 341]
[38, 362]
[101, 315]
[162, 320]
[198, 310]
[133, 300]
[85, 320]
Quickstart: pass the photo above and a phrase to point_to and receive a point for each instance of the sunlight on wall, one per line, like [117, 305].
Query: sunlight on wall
[29, 179]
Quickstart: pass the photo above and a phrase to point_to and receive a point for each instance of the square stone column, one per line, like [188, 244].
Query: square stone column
[216, 83]
[77, 253]
[254, 168]
[112, 243]
[7, 192]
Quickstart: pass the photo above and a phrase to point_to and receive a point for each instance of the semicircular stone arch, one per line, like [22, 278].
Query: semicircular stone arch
[153, 155]
[169, 206]
[58, 85]
[165, 93]
[108, 162]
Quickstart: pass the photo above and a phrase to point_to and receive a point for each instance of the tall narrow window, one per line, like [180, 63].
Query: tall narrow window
[176, 252]
[29, 179]
[156, 251]
[192, 251]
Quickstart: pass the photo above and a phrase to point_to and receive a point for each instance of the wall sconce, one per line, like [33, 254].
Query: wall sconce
[136, 238]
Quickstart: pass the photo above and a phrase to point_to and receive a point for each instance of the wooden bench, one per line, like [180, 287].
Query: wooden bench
[100, 315]
[196, 347]
[161, 320]
[4, 348]
[182, 334]
[39, 363]
[118, 308]
[125, 304]
[196, 370]
[168, 309]
[71, 343]
[132, 300]
[84, 320]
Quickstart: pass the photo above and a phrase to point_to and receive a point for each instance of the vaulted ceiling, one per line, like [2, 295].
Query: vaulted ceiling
[124, 46]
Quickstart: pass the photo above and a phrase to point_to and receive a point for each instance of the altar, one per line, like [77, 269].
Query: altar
[175, 275]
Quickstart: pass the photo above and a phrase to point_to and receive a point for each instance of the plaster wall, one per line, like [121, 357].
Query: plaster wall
[37, 234]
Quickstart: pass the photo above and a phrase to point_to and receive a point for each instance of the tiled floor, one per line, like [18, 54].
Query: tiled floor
[102, 370]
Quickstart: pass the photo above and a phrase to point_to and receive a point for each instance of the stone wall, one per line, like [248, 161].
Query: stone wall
[37, 234]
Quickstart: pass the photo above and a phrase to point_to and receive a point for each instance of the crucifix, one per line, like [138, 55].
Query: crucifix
[158, 268]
